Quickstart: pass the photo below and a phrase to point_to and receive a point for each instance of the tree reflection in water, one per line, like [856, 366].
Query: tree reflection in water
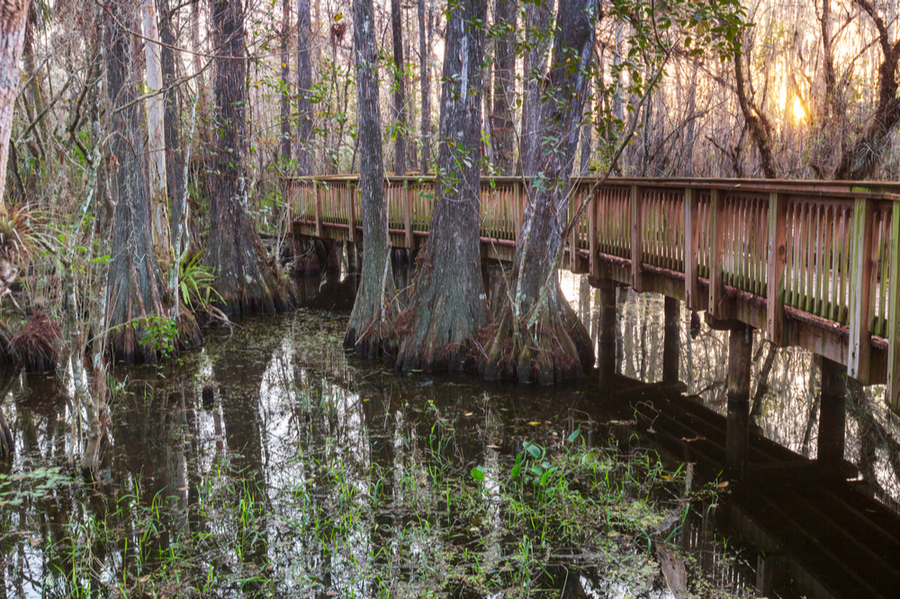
[314, 473]
[784, 393]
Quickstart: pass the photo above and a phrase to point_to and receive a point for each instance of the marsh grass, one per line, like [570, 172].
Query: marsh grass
[347, 485]
[429, 527]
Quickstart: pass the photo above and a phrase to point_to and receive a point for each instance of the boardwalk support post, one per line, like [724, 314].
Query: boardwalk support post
[737, 432]
[671, 340]
[607, 308]
[832, 418]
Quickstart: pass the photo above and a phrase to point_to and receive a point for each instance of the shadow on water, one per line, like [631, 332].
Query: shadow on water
[311, 472]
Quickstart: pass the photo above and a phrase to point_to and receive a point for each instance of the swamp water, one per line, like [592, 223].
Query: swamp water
[313, 473]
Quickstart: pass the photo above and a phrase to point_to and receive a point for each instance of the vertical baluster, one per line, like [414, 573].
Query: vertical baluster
[846, 289]
[761, 253]
[878, 286]
[825, 261]
[834, 261]
[736, 238]
[737, 241]
[646, 211]
[671, 229]
[820, 250]
[796, 256]
[808, 237]
[790, 255]
[740, 246]
[885, 263]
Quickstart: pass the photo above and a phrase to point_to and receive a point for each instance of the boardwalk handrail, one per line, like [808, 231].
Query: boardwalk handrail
[812, 264]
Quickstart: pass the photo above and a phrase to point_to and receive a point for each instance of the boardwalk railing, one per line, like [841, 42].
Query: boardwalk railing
[813, 264]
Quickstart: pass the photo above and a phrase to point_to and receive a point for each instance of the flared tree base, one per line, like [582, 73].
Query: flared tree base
[552, 348]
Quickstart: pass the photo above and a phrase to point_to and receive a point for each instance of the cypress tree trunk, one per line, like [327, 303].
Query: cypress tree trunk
[399, 92]
[244, 280]
[156, 139]
[285, 82]
[174, 158]
[304, 85]
[537, 22]
[448, 306]
[135, 289]
[549, 343]
[505, 18]
[13, 18]
[425, 82]
[371, 321]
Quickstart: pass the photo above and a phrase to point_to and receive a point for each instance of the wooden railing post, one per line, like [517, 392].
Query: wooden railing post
[861, 274]
[593, 236]
[636, 230]
[777, 260]
[351, 209]
[518, 194]
[893, 374]
[716, 251]
[407, 214]
[691, 248]
[573, 235]
[318, 199]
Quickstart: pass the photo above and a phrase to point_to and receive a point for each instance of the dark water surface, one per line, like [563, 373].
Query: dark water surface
[313, 473]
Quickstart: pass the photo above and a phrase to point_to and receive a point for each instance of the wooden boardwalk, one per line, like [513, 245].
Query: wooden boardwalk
[812, 264]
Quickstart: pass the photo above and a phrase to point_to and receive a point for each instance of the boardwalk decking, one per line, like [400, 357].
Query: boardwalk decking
[812, 264]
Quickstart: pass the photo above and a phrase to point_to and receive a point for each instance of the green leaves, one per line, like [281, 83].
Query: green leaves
[196, 284]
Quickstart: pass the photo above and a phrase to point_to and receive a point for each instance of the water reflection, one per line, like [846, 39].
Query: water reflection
[785, 385]
[313, 473]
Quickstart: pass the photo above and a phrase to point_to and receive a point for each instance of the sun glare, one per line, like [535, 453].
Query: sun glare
[799, 111]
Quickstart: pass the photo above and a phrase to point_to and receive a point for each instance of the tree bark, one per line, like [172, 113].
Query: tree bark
[399, 92]
[13, 18]
[370, 328]
[156, 140]
[304, 87]
[449, 305]
[285, 82]
[425, 82]
[244, 280]
[135, 289]
[587, 129]
[174, 158]
[537, 42]
[505, 19]
[549, 343]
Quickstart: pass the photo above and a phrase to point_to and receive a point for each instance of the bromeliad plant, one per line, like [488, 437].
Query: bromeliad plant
[20, 238]
[196, 283]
